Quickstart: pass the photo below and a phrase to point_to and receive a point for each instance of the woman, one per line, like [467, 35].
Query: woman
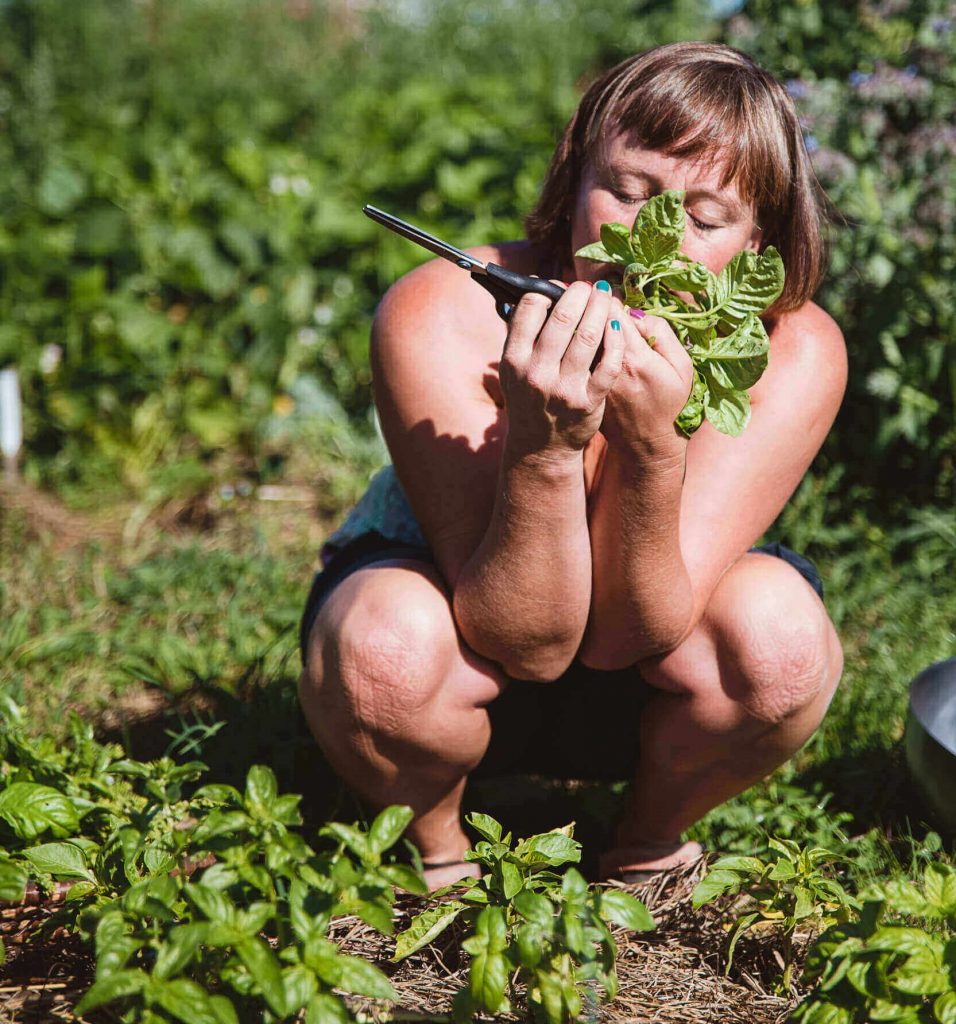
[562, 582]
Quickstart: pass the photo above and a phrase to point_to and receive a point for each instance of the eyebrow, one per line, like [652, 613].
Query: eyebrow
[733, 208]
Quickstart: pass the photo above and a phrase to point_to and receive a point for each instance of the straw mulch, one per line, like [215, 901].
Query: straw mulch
[670, 976]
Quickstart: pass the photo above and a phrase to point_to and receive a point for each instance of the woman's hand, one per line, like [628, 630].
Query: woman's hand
[553, 396]
[651, 389]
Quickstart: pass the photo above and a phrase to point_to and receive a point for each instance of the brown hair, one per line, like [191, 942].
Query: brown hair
[691, 99]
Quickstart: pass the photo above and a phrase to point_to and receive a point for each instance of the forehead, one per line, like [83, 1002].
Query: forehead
[702, 173]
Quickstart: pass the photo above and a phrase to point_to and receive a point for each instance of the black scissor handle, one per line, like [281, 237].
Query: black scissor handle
[507, 287]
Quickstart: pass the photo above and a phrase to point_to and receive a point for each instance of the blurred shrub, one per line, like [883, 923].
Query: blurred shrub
[875, 83]
[183, 257]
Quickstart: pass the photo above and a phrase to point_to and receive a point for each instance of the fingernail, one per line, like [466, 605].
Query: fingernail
[615, 325]
[603, 286]
[638, 314]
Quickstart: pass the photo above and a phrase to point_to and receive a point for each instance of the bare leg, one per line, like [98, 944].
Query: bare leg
[397, 701]
[738, 698]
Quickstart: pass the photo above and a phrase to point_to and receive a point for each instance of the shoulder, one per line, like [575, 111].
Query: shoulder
[438, 297]
[807, 344]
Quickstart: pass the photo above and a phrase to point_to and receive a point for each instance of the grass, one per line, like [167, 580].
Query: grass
[197, 604]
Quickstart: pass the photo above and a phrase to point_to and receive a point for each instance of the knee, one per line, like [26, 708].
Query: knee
[377, 665]
[780, 651]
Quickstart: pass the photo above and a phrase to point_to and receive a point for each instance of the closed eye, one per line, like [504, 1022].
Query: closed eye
[700, 225]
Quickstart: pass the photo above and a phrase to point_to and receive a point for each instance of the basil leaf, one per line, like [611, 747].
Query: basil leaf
[425, 927]
[748, 285]
[31, 809]
[387, 828]
[264, 968]
[625, 910]
[616, 239]
[61, 860]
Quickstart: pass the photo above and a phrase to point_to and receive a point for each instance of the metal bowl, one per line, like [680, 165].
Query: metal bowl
[931, 739]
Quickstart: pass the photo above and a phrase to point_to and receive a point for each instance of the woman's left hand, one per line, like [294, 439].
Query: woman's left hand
[651, 390]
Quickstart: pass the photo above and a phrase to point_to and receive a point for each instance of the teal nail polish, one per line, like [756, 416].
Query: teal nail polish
[615, 325]
[603, 286]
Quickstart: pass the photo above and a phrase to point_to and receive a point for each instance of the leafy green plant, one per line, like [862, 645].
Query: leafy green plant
[527, 925]
[785, 890]
[720, 327]
[201, 906]
[895, 962]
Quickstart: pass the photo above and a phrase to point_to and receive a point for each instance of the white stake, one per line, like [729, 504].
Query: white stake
[11, 419]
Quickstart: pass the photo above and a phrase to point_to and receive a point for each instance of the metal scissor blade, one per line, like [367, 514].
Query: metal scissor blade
[424, 239]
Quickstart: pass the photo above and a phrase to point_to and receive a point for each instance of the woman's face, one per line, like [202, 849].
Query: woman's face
[613, 189]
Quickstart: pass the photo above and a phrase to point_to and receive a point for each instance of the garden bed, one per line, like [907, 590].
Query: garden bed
[671, 976]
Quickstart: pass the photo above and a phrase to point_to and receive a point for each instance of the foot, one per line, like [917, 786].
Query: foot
[642, 862]
[438, 874]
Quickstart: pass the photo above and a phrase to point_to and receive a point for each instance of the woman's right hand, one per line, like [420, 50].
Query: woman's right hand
[553, 397]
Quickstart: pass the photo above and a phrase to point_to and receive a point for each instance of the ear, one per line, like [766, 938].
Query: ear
[756, 237]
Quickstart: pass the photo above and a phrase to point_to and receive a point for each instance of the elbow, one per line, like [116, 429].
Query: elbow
[536, 659]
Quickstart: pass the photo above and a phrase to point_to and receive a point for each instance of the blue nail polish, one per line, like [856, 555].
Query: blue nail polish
[603, 286]
[615, 325]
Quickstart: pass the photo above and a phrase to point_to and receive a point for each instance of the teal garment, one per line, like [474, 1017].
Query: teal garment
[383, 509]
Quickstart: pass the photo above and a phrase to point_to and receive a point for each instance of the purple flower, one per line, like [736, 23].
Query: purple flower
[797, 89]
[941, 25]
[811, 143]
[858, 78]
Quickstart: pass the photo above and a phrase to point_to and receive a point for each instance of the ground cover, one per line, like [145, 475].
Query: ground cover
[175, 633]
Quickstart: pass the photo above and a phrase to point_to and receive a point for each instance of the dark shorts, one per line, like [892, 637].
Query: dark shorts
[583, 725]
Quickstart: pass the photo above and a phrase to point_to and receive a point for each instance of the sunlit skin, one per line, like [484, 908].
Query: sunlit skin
[567, 517]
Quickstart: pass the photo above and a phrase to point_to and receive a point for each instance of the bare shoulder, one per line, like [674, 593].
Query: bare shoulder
[439, 299]
[810, 338]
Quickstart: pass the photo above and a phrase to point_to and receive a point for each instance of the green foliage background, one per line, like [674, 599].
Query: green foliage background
[185, 269]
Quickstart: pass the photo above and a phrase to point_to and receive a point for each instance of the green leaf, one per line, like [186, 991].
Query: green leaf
[387, 828]
[185, 1000]
[749, 285]
[362, 978]
[804, 902]
[116, 986]
[551, 848]
[616, 239]
[945, 1008]
[404, 877]
[937, 878]
[214, 904]
[485, 826]
[512, 879]
[742, 865]
[488, 978]
[61, 860]
[595, 251]
[714, 884]
[179, 948]
[924, 983]
[13, 880]
[625, 910]
[265, 969]
[114, 944]
[739, 927]
[727, 411]
[351, 837]
[535, 907]
[327, 1009]
[426, 927]
[300, 986]
[31, 809]
[659, 229]
[261, 789]
[735, 361]
[223, 1009]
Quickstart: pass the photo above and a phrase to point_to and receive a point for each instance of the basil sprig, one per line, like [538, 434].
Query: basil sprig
[720, 328]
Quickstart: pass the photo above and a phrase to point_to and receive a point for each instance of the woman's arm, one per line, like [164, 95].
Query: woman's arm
[498, 488]
[657, 556]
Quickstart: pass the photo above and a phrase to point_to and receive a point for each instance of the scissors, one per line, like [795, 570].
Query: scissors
[506, 286]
